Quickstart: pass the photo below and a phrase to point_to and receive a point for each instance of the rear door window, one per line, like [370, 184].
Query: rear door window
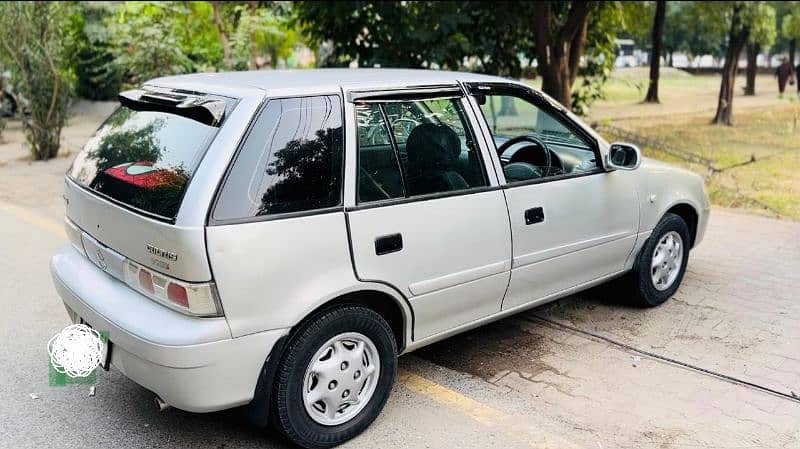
[416, 147]
[143, 159]
[290, 162]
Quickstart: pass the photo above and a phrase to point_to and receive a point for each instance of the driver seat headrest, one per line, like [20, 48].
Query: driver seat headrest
[432, 147]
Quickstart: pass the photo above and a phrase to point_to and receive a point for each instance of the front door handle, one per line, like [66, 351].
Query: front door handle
[386, 244]
[534, 215]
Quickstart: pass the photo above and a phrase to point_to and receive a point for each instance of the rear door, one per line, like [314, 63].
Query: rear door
[425, 215]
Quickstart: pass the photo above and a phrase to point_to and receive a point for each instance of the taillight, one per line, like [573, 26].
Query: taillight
[146, 281]
[74, 235]
[177, 294]
[193, 298]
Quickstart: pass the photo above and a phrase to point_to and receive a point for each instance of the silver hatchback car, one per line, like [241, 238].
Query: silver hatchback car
[275, 239]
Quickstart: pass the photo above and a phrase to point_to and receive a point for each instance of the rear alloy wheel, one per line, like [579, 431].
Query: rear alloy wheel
[661, 263]
[341, 378]
[335, 377]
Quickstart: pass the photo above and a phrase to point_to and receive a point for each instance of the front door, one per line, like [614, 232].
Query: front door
[427, 216]
[572, 222]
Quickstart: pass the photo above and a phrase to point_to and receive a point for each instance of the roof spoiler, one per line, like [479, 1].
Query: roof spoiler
[204, 110]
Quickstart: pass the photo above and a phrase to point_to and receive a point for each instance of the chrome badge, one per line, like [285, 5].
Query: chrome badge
[164, 254]
[101, 260]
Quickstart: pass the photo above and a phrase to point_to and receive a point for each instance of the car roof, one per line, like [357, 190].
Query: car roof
[314, 79]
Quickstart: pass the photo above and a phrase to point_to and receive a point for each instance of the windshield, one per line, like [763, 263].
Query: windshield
[143, 159]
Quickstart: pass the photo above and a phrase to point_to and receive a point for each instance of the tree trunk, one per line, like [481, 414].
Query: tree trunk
[223, 35]
[253, 62]
[792, 49]
[669, 59]
[737, 37]
[655, 54]
[752, 68]
[558, 51]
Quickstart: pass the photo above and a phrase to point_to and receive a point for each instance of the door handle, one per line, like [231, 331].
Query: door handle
[386, 244]
[534, 215]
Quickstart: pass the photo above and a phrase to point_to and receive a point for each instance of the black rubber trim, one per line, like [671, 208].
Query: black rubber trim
[413, 199]
[272, 217]
[511, 185]
[257, 411]
[426, 92]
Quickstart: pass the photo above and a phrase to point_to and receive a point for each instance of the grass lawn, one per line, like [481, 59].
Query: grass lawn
[767, 130]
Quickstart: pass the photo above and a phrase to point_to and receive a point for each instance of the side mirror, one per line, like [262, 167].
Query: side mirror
[624, 156]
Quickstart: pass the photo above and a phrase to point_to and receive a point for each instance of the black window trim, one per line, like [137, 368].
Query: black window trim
[461, 97]
[403, 94]
[420, 198]
[212, 221]
[395, 149]
[525, 93]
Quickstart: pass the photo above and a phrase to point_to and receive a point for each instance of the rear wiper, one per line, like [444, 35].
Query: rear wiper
[204, 110]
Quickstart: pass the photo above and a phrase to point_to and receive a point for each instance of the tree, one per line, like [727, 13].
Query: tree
[487, 37]
[790, 29]
[386, 34]
[762, 35]
[98, 75]
[655, 54]
[560, 32]
[34, 38]
[697, 28]
[224, 37]
[497, 35]
[146, 42]
[738, 34]
[262, 31]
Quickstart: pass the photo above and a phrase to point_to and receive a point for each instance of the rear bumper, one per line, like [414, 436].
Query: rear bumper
[192, 363]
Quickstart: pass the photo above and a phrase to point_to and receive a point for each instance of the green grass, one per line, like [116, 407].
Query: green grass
[769, 136]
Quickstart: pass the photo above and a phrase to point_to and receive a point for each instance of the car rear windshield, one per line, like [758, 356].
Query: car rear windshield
[143, 159]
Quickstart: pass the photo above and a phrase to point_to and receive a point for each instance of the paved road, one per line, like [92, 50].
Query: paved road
[516, 383]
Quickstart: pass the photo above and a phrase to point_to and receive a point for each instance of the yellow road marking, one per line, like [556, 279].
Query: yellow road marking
[33, 218]
[512, 427]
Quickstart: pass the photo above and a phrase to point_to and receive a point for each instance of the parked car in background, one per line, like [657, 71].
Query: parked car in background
[10, 101]
[275, 240]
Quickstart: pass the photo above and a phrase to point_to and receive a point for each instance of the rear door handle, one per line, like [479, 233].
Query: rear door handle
[534, 215]
[386, 244]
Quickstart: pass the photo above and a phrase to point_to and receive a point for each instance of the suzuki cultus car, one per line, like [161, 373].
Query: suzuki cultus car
[276, 239]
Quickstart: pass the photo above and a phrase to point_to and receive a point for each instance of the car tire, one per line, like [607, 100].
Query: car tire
[322, 359]
[659, 268]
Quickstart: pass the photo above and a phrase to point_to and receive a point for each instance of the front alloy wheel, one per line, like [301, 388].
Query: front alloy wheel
[661, 263]
[667, 261]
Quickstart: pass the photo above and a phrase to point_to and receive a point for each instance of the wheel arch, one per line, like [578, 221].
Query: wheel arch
[689, 215]
[394, 310]
[384, 300]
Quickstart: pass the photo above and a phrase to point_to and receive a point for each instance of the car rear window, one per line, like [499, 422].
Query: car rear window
[291, 161]
[143, 159]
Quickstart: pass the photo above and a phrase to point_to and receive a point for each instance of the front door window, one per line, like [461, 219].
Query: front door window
[532, 143]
